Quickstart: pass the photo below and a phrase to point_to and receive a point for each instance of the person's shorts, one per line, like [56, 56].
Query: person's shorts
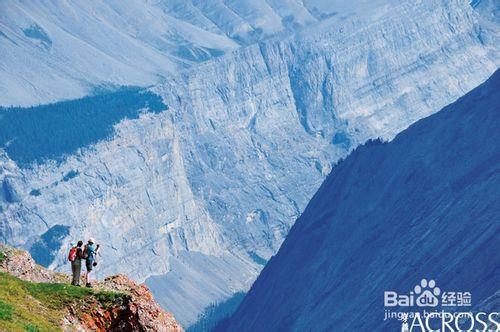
[88, 265]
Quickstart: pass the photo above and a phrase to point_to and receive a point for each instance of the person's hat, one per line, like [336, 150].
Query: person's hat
[91, 240]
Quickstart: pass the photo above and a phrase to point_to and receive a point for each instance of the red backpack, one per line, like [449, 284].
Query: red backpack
[72, 254]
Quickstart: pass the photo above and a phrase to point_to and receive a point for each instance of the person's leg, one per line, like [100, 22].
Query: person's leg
[78, 271]
[88, 265]
[73, 273]
[86, 273]
[88, 278]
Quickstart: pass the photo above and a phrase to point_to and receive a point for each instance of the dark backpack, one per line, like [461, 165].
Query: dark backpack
[88, 252]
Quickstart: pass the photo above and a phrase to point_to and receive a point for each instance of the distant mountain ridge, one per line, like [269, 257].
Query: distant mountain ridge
[424, 205]
[53, 50]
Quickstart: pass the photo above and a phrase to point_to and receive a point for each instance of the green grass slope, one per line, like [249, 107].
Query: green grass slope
[28, 306]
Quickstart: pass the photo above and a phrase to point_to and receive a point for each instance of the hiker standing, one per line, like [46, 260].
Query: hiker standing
[89, 253]
[75, 257]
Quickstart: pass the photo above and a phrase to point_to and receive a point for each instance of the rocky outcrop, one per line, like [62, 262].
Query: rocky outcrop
[19, 263]
[146, 313]
[132, 307]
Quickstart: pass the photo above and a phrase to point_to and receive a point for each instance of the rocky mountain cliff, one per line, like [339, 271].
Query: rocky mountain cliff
[115, 304]
[424, 206]
[195, 196]
[53, 50]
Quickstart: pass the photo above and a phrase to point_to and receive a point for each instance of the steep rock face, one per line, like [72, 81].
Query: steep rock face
[134, 309]
[53, 50]
[194, 199]
[422, 206]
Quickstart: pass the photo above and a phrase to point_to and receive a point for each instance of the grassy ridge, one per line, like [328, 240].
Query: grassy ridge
[28, 306]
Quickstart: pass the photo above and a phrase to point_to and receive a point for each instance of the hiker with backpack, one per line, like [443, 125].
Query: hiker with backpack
[90, 254]
[75, 257]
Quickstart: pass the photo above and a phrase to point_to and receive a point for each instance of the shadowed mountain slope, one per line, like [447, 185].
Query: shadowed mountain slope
[422, 206]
